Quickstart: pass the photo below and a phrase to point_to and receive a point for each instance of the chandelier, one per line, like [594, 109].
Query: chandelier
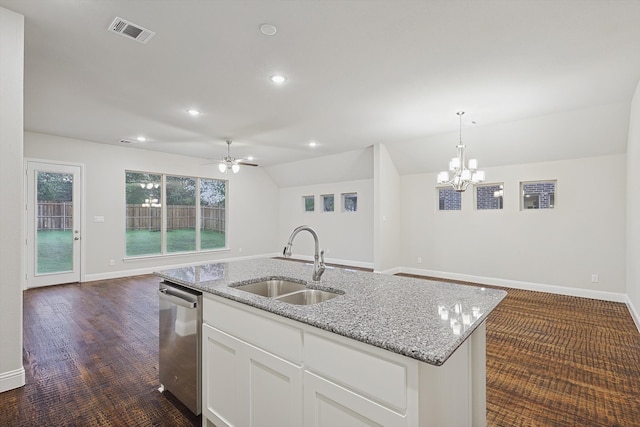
[460, 176]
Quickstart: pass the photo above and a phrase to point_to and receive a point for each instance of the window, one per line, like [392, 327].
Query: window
[449, 199]
[170, 214]
[327, 202]
[309, 203]
[181, 214]
[538, 195]
[489, 196]
[144, 213]
[349, 202]
[212, 214]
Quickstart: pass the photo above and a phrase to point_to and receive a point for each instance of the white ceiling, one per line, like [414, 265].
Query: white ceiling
[360, 72]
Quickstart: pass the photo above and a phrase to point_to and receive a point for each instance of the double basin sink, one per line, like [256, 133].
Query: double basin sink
[287, 291]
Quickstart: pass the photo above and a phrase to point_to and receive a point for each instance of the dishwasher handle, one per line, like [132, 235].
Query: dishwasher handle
[165, 294]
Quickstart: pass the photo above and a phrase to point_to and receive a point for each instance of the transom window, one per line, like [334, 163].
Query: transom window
[538, 195]
[449, 199]
[489, 196]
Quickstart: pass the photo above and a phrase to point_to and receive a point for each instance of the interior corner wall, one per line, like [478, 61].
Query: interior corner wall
[346, 237]
[387, 210]
[252, 203]
[545, 249]
[633, 207]
[11, 194]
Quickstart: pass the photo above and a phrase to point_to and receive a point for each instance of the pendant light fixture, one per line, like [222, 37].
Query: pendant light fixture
[459, 175]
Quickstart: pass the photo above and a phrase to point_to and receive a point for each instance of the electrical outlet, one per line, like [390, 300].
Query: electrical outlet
[595, 278]
[112, 262]
[419, 260]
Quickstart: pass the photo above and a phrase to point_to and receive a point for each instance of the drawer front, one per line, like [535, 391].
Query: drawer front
[361, 368]
[261, 331]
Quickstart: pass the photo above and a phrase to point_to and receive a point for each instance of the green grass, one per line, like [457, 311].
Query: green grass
[55, 250]
[55, 247]
[144, 242]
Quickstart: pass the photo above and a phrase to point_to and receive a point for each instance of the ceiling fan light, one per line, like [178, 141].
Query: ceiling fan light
[222, 167]
[235, 168]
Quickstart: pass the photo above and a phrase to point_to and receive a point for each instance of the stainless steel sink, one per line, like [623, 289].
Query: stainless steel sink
[307, 297]
[272, 288]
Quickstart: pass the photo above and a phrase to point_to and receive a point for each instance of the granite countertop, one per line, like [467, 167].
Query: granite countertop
[422, 319]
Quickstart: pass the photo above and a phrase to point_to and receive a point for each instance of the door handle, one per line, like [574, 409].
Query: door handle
[175, 299]
[76, 238]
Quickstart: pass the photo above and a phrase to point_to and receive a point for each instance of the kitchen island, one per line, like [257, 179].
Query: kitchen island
[387, 350]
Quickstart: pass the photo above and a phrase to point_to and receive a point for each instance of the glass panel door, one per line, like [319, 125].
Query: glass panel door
[53, 236]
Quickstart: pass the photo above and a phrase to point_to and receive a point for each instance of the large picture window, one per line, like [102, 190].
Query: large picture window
[170, 214]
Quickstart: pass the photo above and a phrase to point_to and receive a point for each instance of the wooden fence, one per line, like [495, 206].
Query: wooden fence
[141, 217]
[59, 216]
[55, 216]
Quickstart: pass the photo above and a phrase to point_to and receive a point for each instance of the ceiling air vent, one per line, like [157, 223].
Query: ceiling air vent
[131, 30]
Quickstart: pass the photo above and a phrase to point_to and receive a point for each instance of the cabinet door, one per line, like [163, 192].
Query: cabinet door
[328, 405]
[222, 364]
[275, 390]
[247, 386]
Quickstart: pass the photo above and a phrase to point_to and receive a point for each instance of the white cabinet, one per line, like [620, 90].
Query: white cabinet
[244, 385]
[327, 404]
[221, 377]
[260, 369]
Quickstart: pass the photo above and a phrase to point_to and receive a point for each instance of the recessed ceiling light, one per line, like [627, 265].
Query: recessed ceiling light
[268, 29]
[193, 112]
[278, 79]
[141, 139]
[313, 144]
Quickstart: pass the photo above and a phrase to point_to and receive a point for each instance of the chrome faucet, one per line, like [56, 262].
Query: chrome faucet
[318, 259]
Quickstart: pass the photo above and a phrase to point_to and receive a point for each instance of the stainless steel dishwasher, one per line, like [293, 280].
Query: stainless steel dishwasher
[180, 337]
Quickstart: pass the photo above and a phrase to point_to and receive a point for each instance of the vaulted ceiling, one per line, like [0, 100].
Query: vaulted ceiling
[359, 72]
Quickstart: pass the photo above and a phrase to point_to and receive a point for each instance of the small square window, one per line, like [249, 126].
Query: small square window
[327, 202]
[538, 195]
[489, 196]
[309, 203]
[349, 202]
[449, 199]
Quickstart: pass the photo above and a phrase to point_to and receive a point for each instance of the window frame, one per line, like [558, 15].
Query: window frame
[553, 196]
[304, 204]
[343, 196]
[164, 220]
[447, 188]
[324, 197]
[483, 185]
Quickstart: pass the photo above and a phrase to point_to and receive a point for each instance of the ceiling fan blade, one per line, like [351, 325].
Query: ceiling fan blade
[243, 163]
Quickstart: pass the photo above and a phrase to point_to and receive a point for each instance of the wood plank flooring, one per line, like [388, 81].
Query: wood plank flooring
[91, 359]
[555, 360]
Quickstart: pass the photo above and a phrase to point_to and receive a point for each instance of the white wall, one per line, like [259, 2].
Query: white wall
[346, 237]
[11, 194]
[350, 166]
[252, 203]
[561, 247]
[633, 207]
[387, 212]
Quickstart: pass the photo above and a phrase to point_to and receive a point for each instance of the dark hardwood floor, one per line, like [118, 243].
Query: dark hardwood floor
[91, 359]
[555, 360]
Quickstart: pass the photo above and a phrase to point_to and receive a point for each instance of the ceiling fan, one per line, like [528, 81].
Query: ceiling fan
[231, 163]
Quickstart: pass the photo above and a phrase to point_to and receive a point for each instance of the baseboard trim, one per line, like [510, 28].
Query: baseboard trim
[12, 379]
[529, 286]
[634, 313]
[391, 271]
